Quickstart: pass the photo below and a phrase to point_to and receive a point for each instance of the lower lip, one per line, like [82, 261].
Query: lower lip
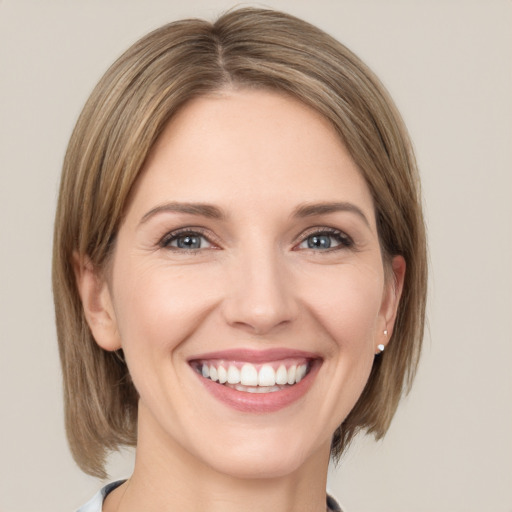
[261, 402]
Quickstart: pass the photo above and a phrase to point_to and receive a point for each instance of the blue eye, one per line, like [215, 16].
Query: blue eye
[186, 241]
[319, 242]
[323, 241]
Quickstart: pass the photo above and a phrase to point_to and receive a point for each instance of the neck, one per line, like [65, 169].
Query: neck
[168, 478]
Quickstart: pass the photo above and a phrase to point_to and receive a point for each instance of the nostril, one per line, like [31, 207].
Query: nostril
[259, 320]
[261, 327]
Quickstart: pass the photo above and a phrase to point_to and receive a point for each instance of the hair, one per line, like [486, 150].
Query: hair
[122, 119]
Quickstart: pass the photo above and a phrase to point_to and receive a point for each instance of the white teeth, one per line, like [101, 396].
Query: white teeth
[264, 381]
[266, 376]
[301, 372]
[233, 375]
[291, 374]
[249, 375]
[223, 374]
[257, 389]
[282, 375]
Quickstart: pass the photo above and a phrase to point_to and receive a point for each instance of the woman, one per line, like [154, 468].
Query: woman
[239, 265]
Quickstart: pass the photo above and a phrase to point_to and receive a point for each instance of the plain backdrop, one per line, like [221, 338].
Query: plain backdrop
[448, 64]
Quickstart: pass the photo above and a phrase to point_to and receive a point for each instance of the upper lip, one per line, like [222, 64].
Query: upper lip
[255, 356]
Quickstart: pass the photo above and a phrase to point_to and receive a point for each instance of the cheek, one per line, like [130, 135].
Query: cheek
[156, 310]
[347, 304]
[348, 315]
[157, 307]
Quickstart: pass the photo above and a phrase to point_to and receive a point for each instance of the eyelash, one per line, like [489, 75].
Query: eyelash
[168, 238]
[344, 241]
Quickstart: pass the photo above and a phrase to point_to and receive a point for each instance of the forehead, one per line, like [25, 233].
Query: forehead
[250, 145]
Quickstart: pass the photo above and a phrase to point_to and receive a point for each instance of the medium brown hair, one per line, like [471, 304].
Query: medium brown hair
[117, 128]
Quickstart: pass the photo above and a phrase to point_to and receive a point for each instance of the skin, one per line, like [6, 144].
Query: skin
[255, 283]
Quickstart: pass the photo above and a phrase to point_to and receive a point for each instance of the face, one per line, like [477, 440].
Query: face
[247, 286]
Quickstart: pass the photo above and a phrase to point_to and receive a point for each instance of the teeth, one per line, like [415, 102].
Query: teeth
[257, 389]
[249, 379]
[301, 372]
[282, 375]
[233, 375]
[291, 374]
[223, 374]
[249, 375]
[266, 376]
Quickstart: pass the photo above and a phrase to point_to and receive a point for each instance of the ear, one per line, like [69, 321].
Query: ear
[391, 298]
[97, 303]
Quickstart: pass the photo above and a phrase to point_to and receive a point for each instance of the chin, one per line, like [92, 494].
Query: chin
[262, 452]
[259, 464]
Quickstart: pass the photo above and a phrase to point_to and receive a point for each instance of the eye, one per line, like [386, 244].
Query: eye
[185, 240]
[326, 240]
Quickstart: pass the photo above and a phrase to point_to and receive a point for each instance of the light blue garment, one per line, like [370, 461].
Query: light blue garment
[95, 504]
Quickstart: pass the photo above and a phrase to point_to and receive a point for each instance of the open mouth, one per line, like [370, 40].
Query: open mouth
[257, 381]
[247, 377]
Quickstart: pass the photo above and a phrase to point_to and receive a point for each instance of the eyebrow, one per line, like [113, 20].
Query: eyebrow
[312, 209]
[203, 209]
[213, 212]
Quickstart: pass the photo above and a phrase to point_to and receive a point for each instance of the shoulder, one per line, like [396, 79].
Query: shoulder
[95, 504]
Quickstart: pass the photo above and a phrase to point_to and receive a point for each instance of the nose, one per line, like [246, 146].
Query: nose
[260, 296]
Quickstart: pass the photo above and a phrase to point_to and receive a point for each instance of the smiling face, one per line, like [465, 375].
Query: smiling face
[247, 286]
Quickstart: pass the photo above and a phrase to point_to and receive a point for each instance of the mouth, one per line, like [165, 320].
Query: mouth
[257, 381]
[254, 378]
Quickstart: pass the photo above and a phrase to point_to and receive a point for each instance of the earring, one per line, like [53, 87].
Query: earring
[381, 346]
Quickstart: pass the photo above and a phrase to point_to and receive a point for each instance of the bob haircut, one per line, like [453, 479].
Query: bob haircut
[125, 114]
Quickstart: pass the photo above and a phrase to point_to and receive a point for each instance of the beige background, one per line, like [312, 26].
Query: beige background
[449, 66]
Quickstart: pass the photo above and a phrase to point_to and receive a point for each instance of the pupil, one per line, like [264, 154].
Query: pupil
[319, 242]
[189, 242]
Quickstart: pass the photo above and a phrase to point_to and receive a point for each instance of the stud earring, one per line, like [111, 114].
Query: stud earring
[381, 346]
